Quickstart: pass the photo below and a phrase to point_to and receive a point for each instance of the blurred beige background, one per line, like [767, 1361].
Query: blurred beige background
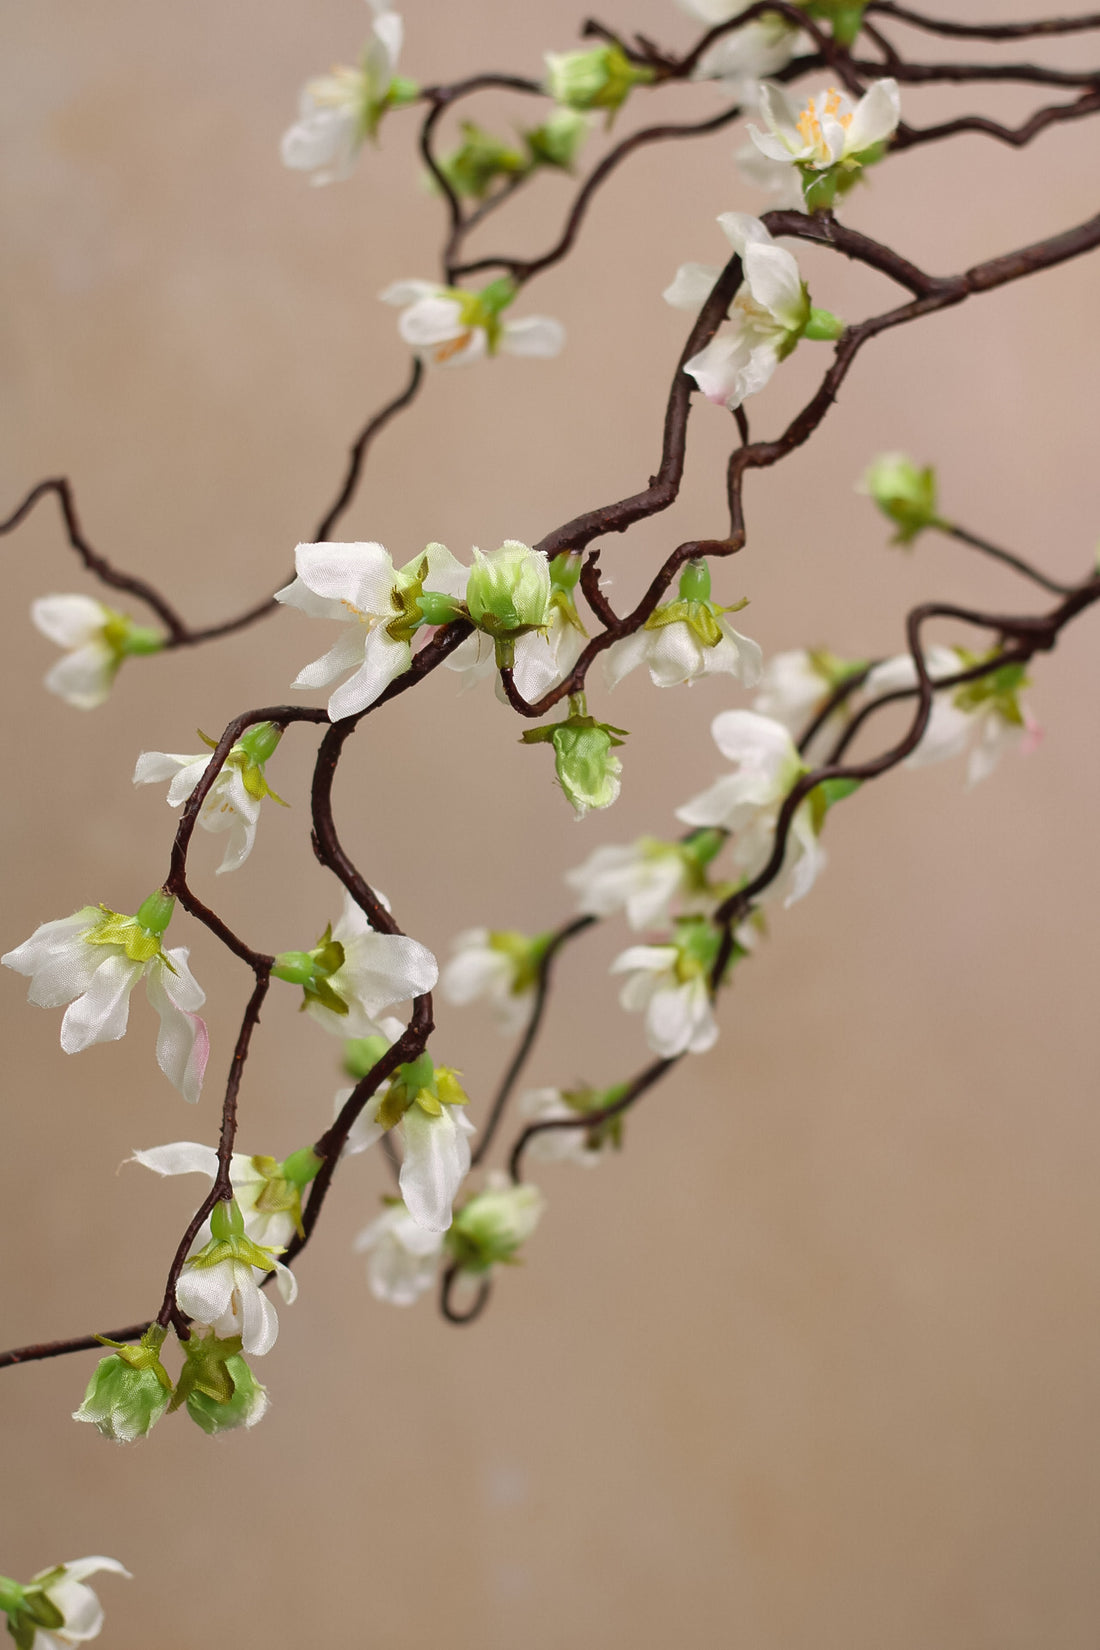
[813, 1366]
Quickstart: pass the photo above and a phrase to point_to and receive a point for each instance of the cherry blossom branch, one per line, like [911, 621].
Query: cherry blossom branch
[985, 31]
[1008, 557]
[640, 1085]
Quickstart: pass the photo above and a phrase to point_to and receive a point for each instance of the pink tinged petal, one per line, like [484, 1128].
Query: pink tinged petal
[259, 1321]
[691, 286]
[70, 621]
[180, 984]
[182, 1157]
[431, 321]
[85, 677]
[876, 116]
[436, 1159]
[100, 1015]
[624, 656]
[538, 336]
[384, 660]
[205, 1293]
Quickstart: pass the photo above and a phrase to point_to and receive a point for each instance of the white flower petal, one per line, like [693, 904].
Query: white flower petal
[70, 621]
[100, 1015]
[691, 286]
[437, 1157]
[533, 335]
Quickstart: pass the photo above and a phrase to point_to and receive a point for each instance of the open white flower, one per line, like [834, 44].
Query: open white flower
[986, 717]
[499, 965]
[797, 684]
[770, 313]
[220, 1284]
[268, 1197]
[674, 997]
[338, 111]
[233, 800]
[402, 1256]
[829, 139]
[749, 54]
[747, 802]
[354, 973]
[644, 880]
[451, 327]
[358, 582]
[96, 639]
[57, 1608]
[425, 1105]
[581, 1144]
[92, 961]
[687, 638]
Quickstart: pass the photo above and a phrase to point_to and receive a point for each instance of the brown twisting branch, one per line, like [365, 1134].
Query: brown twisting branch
[1048, 28]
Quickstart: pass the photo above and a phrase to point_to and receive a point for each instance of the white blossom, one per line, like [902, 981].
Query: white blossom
[829, 139]
[566, 1145]
[92, 961]
[679, 1016]
[220, 1284]
[96, 639]
[769, 314]
[748, 54]
[643, 880]
[62, 1598]
[747, 802]
[339, 110]
[376, 971]
[680, 648]
[265, 1198]
[402, 1256]
[425, 1105]
[233, 801]
[985, 718]
[451, 327]
[497, 965]
[542, 658]
[358, 582]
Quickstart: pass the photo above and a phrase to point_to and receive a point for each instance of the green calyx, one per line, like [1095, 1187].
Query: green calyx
[489, 1229]
[525, 955]
[420, 1083]
[697, 942]
[30, 1608]
[130, 934]
[232, 1246]
[479, 161]
[226, 1220]
[826, 795]
[312, 970]
[697, 851]
[508, 592]
[204, 1367]
[1000, 690]
[558, 141]
[249, 755]
[484, 308]
[586, 1100]
[832, 669]
[281, 1192]
[905, 494]
[127, 639]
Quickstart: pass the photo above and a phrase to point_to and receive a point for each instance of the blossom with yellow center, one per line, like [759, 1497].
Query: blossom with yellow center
[831, 138]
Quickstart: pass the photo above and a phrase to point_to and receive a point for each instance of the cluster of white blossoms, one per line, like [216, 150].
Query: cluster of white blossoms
[57, 1607]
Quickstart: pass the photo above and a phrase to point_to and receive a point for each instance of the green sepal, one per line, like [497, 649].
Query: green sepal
[695, 582]
[226, 1220]
[558, 140]
[302, 1166]
[128, 934]
[845, 17]
[155, 913]
[401, 92]
[480, 159]
[438, 608]
[826, 795]
[204, 1368]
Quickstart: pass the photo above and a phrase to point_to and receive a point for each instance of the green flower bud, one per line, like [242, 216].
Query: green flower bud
[508, 591]
[490, 1228]
[226, 1220]
[558, 141]
[587, 771]
[903, 493]
[478, 162]
[823, 326]
[312, 970]
[127, 639]
[155, 913]
[845, 17]
[129, 1391]
[599, 79]
[243, 1408]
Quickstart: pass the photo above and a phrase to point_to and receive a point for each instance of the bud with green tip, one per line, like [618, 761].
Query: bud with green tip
[558, 141]
[586, 769]
[129, 1391]
[490, 1229]
[501, 965]
[479, 161]
[904, 494]
[508, 594]
[599, 79]
[845, 17]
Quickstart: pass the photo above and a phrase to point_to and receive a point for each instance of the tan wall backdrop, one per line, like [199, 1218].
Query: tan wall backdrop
[813, 1365]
